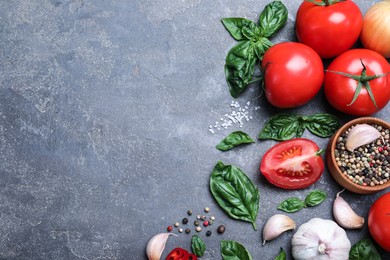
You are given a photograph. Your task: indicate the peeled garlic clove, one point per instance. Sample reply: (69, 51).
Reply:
(344, 214)
(361, 134)
(156, 245)
(276, 225)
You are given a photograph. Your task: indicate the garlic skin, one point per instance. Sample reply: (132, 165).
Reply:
(361, 134)
(276, 225)
(320, 239)
(156, 245)
(344, 214)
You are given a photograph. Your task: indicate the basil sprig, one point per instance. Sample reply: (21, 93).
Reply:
(294, 204)
(283, 127)
(282, 255)
(234, 139)
(253, 42)
(364, 249)
(198, 246)
(235, 193)
(232, 250)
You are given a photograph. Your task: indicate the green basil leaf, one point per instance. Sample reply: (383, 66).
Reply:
(314, 198)
(235, 193)
(239, 67)
(198, 246)
(282, 255)
(323, 125)
(261, 46)
(364, 250)
(282, 127)
(272, 18)
(237, 27)
(291, 205)
(232, 250)
(234, 139)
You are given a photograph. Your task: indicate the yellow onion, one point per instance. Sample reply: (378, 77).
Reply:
(375, 33)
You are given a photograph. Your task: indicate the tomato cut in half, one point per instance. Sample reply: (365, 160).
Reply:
(178, 254)
(293, 164)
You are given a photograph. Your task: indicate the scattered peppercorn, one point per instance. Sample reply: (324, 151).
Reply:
(203, 217)
(206, 209)
(198, 229)
(208, 233)
(176, 224)
(212, 218)
(206, 223)
(211, 222)
(189, 213)
(180, 230)
(198, 216)
(221, 229)
(188, 230)
(169, 228)
(196, 223)
(184, 221)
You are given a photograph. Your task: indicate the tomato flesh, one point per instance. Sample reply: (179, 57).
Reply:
(379, 221)
(180, 254)
(329, 30)
(292, 164)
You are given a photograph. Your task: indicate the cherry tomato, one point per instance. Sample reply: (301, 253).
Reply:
(329, 29)
(379, 221)
(340, 89)
(293, 74)
(292, 164)
(178, 254)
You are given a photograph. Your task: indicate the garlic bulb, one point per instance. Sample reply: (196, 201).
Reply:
(156, 245)
(320, 239)
(344, 214)
(361, 134)
(276, 225)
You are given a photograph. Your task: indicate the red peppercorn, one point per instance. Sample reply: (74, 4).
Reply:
(169, 228)
(385, 148)
(205, 223)
(380, 149)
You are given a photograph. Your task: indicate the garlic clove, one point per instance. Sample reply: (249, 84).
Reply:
(156, 245)
(344, 214)
(276, 225)
(361, 134)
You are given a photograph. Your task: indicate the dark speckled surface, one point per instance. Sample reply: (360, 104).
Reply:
(104, 114)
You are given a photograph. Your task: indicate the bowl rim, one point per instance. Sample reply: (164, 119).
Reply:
(342, 129)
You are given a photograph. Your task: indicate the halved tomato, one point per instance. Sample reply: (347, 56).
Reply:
(293, 164)
(180, 254)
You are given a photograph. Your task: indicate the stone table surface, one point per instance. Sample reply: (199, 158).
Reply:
(105, 108)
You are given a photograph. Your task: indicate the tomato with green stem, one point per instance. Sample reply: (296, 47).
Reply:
(330, 27)
(358, 82)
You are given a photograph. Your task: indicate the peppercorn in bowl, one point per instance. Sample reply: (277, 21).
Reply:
(358, 155)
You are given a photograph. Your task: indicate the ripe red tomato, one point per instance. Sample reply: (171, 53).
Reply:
(292, 164)
(293, 74)
(379, 221)
(329, 29)
(180, 254)
(340, 89)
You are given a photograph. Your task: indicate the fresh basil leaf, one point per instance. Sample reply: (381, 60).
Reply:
(198, 246)
(239, 67)
(314, 198)
(261, 46)
(236, 26)
(364, 250)
(282, 127)
(323, 125)
(235, 193)
(234, 139)
(291, 205)
(282, 255)
(232, 250)
(272, 18)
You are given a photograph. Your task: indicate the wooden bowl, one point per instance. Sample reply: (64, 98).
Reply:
(333, 167)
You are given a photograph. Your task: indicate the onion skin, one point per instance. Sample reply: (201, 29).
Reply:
(375, 33)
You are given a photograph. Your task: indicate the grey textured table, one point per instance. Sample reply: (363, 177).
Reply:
(104, 114)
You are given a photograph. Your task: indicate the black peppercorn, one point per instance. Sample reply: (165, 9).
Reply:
(208, 233)
(188, 231)
(189, 212)
(196, 223)
(221, 229)
(184, 221)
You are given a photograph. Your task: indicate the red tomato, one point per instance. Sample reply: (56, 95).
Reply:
(379, 221)
(340, 90)
(293, 164)
(293, 74)
(329, 29)
(178, 254)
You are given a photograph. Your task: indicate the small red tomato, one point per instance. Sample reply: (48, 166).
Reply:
(292, 164)
(351, 85)
(180, 254)
(379, 221)
(329, 28)
(293, 74)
